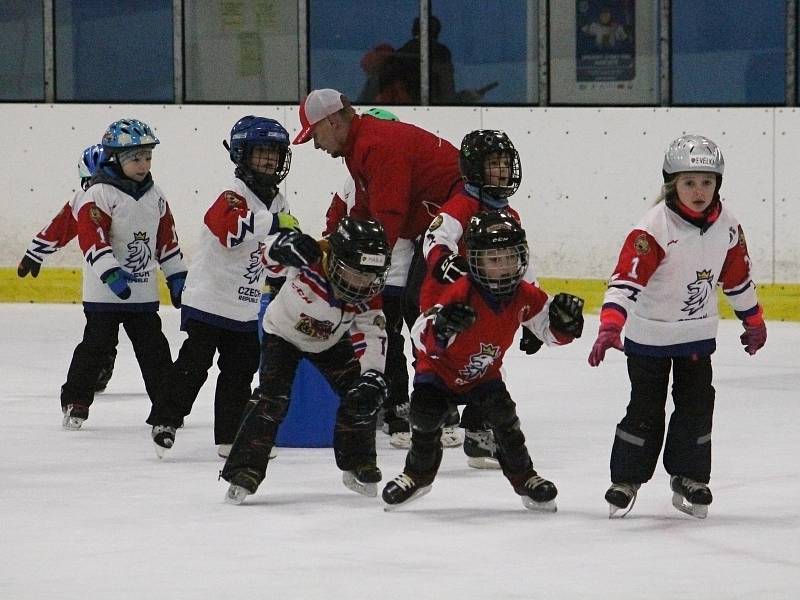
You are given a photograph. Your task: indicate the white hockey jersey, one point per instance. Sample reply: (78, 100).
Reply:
(116, 230)
(664, 285)
(224, 285)
(306, 313)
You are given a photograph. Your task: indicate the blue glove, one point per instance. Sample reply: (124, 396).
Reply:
(175, 283)
(117, 280)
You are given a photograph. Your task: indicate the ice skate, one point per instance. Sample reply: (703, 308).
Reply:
(403, 490)
(363, 480)
(452, 437)
(481, 449)
(400, 440)
(242, 484)
(538, 494)
(163, 439)
(619, 497)
(690, 496)
(74, 416)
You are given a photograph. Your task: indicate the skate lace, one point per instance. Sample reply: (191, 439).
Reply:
(534, 482)
(404, 481)
(693, 486)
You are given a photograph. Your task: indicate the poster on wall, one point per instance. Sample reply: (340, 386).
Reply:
(604, 52)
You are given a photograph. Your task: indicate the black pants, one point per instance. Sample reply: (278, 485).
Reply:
(100, 337)
(639, 435)
(353, 439)
(238, 362)
(429, 409)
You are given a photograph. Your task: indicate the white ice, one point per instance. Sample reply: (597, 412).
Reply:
(94, 514)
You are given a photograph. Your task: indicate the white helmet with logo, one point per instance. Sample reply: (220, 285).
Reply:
(693, 153)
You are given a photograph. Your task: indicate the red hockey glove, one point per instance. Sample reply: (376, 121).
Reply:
(754, 336)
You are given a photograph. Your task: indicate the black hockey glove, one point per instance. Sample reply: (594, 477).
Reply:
(566, 315)
(28, 265)
(529, 343)
(453, 318)
(175, 283)
(367, 395)
(295, 249)
(450, 268)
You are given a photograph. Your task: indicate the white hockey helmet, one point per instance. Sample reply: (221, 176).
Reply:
(693, 153)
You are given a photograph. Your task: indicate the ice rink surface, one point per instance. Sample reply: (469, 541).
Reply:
(94, 514)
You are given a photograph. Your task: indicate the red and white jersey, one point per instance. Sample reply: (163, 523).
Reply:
(664, 285)
(224, 284)
(476, 354)
(306, 313)
(116, 230)
(403, 250)
(61, 230)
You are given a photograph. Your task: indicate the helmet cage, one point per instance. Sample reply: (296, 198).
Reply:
(358, 260)
(495, 239)
(250, 132)
(476, 147)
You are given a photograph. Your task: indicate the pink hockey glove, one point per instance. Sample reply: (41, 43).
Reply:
(607, 337)
(754, 336)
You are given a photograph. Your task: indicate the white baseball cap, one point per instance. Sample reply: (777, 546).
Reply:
(317, 105)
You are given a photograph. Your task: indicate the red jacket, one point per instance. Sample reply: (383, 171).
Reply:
(403, 174)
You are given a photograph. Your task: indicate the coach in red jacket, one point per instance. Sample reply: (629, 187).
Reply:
(403, 174)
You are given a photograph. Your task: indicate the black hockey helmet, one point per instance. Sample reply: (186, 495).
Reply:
(359, 259)
(497, 252)
(479, 145)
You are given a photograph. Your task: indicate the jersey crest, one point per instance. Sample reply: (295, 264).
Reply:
(314, 327)
(699, 291)
(478, 364)
(139, 252)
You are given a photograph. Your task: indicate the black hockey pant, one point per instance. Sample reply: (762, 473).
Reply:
(639, 435)
(429, 409)
(353, 439)
(238, 361)
(100, 337)
(396, 364)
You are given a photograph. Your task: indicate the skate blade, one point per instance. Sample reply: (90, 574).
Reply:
(160, 450)
(615, 512)
(698, 511)
(530, 504)
(416, 495)
(452, 437)
(483, 462)
(236, 495)
(224, 450)
(365, 489)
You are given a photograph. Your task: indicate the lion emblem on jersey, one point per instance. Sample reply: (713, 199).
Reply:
(314, 328)
(139, 253)
(255, 268)
(479, 363)
(699, 291)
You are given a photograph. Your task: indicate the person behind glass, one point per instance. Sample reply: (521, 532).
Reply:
(663, 293)
(492, 173)
(316, 315)
(222, 294)
(399, 79)
(125, 230)
(460, 345)
(61, 230)
(403, 174)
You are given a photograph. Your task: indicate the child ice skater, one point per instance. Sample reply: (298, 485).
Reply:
(460, 344)
(663, 292)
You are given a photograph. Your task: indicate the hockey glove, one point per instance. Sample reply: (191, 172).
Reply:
(450, 268)
(175, 282)
(117, 280)
(529, 343)
(607, 337)
(754, 336)
(452, 319)
(295, 249)
(28, 265)
(566, 316)
(367, 395)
